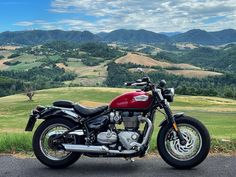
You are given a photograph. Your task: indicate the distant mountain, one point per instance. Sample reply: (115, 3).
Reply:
(41, 37)
(135, 36)
(101, 34)
(170, 34)
(225, 36)
(196, 36)
(206, 38)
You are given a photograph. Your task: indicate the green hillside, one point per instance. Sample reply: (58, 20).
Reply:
(218, 114)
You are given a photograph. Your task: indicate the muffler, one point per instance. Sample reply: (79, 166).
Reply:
(95, 149)
(85, 149)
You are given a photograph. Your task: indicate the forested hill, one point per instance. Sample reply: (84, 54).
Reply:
(135, 36)
(41, 37)
(196, 36)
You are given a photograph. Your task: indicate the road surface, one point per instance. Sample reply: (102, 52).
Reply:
(213, 166)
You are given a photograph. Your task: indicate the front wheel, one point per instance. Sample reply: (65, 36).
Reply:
(193, 152)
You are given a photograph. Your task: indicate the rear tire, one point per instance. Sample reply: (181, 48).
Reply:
(180, 156)
(40, 154)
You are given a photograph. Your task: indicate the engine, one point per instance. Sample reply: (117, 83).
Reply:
(128, 135)
(127, 138)
(130, 119)
(108, 137)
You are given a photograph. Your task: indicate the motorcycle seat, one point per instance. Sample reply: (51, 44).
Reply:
(64, 104)
(89, 112)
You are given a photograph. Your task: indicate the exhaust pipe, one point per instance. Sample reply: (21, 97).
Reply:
(85, 149)
(147, 135)
(95, 149)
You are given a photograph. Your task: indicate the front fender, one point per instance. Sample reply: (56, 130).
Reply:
(51, 112)
(176, 116)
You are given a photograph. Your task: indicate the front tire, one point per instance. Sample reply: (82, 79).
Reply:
(193, 152)
(45, 152)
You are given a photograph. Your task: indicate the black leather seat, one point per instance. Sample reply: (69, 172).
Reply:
(89, 112)
(83, 111)
(63, 103)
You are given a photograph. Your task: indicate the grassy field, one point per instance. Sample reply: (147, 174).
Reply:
(218, 114)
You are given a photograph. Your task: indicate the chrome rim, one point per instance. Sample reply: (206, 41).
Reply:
(190, 149)
(50, 153)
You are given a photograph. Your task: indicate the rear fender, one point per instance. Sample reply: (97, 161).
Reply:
(59, 112)
(176, 116)
(49, 113)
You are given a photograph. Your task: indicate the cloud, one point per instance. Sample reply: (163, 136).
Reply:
(162, 15)
(24, 23)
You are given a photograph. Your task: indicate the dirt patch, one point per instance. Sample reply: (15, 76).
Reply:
(186, 46)
(61, 65)
(2, 65)
(141, 59)
(194, 73)
(146, 70)
(9, 47)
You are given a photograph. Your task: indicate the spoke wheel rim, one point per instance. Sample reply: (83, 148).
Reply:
(47, 151)
(183, 152)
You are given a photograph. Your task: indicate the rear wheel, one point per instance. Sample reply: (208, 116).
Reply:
(47, 150)
(190, 154)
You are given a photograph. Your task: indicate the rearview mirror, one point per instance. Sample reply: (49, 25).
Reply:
(162, 83)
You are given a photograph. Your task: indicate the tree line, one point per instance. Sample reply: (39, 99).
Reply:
(12, 82)
(222, 86)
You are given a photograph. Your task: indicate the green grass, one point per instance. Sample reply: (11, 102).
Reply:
(75, 64)
(15, 142)
(27, 62)
(24, 66)
(218, 114)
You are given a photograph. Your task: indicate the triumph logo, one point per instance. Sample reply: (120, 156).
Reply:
(141, 98)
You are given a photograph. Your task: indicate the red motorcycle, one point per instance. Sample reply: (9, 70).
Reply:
(121, 129)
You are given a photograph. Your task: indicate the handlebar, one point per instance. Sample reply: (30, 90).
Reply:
(145, 81)
(135, 83)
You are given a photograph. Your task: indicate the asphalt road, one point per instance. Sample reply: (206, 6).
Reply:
(213, 166)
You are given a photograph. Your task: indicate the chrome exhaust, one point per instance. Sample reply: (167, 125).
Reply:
(95, 149)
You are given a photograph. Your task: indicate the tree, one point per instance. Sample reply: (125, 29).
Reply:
(29, 92)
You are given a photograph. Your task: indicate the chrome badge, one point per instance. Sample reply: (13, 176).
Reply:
(141, 98)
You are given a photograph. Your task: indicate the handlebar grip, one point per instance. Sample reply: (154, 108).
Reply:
(128, 83)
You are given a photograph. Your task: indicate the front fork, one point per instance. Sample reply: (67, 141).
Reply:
(171, 119)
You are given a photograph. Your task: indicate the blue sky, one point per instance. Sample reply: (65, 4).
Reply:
(107, 15)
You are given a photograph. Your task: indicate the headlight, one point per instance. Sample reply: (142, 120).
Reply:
(168, 94)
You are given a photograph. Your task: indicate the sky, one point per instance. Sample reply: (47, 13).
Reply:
(107, 15)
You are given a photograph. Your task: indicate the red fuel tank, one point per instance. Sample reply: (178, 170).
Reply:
(133, 100)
